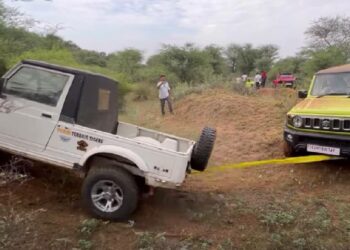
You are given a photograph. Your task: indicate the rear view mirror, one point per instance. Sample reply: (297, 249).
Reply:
(302, 93)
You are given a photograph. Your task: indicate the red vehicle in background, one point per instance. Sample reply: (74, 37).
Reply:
(285, 79)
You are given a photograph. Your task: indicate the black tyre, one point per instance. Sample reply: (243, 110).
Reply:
(109, 192)
(202, 149)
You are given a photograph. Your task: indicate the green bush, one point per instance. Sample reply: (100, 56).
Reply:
(322, 59)
(144, 91)
(183, 89)
(150, 74)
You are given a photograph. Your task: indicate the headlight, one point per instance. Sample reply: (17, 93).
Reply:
(297, 121)
(290, 119)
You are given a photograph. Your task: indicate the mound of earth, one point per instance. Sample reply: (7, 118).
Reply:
(249, 127)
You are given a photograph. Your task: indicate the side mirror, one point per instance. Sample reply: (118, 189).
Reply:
(302, 93)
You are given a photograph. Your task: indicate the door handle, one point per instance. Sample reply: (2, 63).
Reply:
(46, 115)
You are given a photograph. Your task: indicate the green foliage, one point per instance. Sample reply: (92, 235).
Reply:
(85, 244)
(61, 57)
(188, 63)
(289, 64)
(88, 226)
(183, 89)
(15, 41)
(265, 57)
(245, 58)
(151, 241)
(216, 59)
(127, 61)
(154, 68)
(91, 58)
(12, 17)
(323, 59)
(241, 58)
(278, 217)
(226, 245)
(86, 229)
(144, 91)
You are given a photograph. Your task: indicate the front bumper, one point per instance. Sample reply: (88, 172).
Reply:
(298, 140)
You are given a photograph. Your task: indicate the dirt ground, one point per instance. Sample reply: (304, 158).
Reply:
(302, 206)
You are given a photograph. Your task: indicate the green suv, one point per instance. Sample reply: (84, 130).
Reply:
(321, 122)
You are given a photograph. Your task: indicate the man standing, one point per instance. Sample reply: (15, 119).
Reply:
(257, 80)
(263, 78)
(164, 94)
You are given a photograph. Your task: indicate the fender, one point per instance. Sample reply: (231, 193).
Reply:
(115, 150)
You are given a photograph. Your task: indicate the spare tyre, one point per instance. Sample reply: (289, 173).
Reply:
(202, 149)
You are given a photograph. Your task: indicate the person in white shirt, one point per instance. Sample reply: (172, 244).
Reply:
(164, 94)
(257, 80)
(244, 77)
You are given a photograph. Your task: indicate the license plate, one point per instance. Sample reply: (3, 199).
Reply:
(323, 149)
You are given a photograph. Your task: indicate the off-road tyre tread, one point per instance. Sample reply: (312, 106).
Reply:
(202, 149)
(124, 179)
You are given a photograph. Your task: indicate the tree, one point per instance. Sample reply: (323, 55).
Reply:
(292, 65)
(265, 56)
(12, 17)
(188, 63)
(127, 61)
(328, 32)
(90, 57)
(232, 55)
(216, 59)
(322, 59)
(241, 58)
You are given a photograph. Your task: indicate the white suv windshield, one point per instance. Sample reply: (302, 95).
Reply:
(331, 84)
(36, 85)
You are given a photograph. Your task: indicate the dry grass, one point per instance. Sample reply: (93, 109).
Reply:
(244, 123)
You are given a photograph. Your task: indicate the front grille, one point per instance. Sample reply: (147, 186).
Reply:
(335, 124)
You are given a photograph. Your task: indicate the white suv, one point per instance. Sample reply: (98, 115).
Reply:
(69, 118)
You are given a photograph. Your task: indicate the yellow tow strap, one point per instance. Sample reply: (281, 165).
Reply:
(289, 160)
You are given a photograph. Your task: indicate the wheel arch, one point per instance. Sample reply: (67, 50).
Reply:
(116, 153)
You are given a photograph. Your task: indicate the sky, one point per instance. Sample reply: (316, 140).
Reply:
(112, 25)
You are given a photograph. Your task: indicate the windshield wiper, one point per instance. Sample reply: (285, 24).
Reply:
(319, 96)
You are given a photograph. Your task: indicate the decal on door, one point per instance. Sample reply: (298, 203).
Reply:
(8, 106)
(87, 137)
(65, 134)
(82, 145)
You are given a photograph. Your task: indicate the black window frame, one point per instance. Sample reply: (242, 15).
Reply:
(53, 105)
